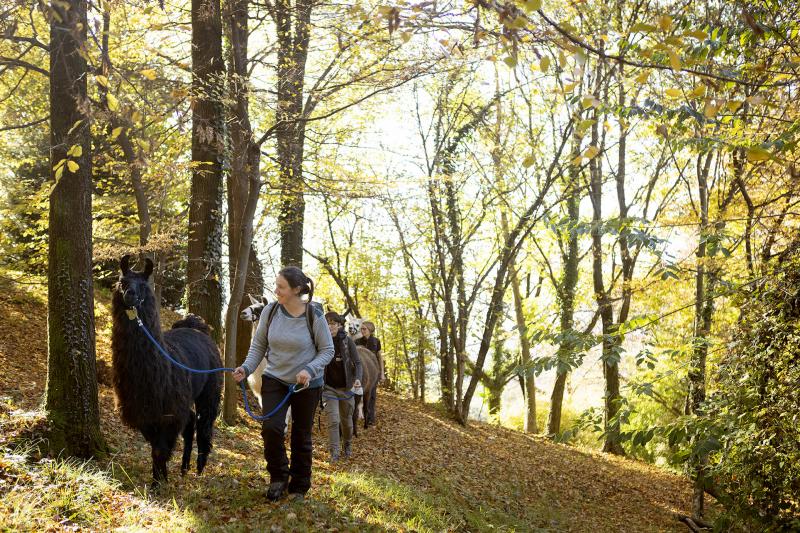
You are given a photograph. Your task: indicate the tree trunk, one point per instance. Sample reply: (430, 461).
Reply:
(704, 308)
(610, 355)
(566, 298)
(529, 382)
(406, 357)
(420, 315)
(72, 402)
(132, 158)
(244, 186)
(208, 148)
(421, 367)
(493, 397)
(293, 41)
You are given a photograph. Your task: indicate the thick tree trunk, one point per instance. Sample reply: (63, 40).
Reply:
(208, 147)
(293, 41)
(71, 402)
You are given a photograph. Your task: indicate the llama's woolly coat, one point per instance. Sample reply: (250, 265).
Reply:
(149, 388)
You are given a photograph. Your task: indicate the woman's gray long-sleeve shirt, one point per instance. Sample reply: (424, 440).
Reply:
(291, 348)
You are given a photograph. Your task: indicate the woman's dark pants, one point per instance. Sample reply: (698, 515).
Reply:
(304, 405)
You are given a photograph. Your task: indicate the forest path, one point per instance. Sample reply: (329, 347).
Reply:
(415, 470)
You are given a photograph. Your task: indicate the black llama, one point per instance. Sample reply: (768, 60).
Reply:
(155, 396)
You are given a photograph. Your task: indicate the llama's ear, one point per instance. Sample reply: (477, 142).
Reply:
(148, 268)
(346, 312)
(264, 300)
(253, 301)
(124, 265)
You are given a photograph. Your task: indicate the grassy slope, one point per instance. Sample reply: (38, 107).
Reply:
(416, 471)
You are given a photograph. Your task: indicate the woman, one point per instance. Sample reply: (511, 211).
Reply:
(342, 375)
(369, 341)
(293, 358)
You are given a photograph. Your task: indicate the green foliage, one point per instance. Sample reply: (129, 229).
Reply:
(23, 203)
(751, 427)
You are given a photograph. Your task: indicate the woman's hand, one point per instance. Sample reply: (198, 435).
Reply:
(239, 374)
(303, 377)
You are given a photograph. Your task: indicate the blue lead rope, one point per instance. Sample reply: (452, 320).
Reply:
(292, 388)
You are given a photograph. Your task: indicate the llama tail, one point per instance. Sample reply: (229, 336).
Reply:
(194, 322)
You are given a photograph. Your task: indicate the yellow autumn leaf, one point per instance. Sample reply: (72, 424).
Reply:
(531, 5)
(698, 92)
(757, 154)
(665, 22)
(73, 166)
(528, 161)
(544, 64)
(642, 27)
(584, 125)
(674, 93)
(76, 150)
(577, 161)
(115, 133)
(697, 34)
(674, 59)
(569, 86)
(733, 105)
(591, 151)
(148, 73)
(643, 77)
(102, 80)
(113, 103)
(710, 109)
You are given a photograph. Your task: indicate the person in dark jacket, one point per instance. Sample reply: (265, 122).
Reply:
(342, 375)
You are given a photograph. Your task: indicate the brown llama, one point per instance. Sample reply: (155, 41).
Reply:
(369, 382)
(155, 396)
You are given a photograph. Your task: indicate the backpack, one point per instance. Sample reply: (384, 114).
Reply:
(309, 321)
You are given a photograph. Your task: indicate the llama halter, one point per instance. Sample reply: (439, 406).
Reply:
(293, 389)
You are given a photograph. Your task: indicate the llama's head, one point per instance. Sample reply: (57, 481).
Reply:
(133, 286)
(354, 326)
(252, 312)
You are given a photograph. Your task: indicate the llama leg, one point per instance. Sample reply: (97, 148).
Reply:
(369, 415)
(162, 445)
(356, 412)
(207, 405)
(160, 455)
(205, 434)
(188, 439)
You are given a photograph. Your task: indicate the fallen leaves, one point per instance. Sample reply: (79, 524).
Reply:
(415, 471)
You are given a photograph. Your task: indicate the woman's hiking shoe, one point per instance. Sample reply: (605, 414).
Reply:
(348, 450)
(276, 490)
(297, 497)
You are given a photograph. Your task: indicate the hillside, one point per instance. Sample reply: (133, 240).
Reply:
(415, 471)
